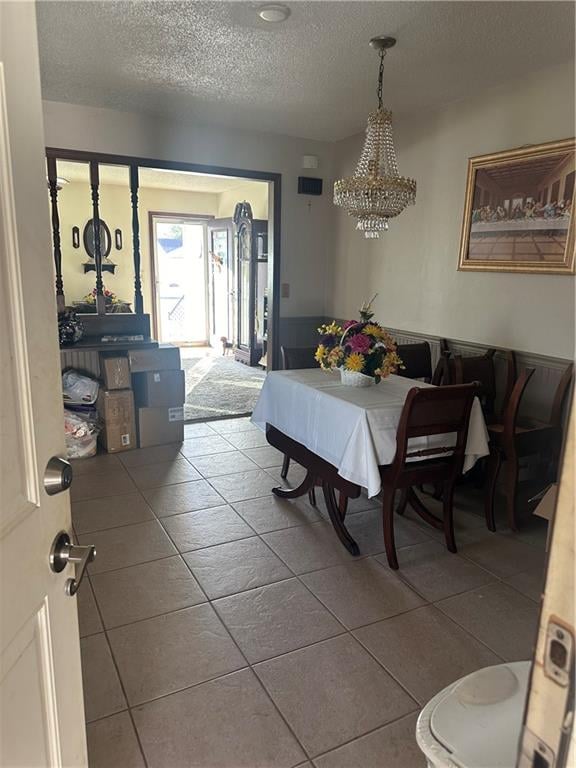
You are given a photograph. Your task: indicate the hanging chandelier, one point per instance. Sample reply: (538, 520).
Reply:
(376, 192)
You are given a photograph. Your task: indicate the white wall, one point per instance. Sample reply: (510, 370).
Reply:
(414, 265)
(304, 229)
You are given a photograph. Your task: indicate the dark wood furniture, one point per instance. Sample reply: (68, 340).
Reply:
(294, 358)
(251, 284)
(427, 412)
(417, 361)
(512, 440)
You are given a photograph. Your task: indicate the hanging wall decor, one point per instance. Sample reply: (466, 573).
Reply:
(75, 237)
(518, 211)
(118, 239)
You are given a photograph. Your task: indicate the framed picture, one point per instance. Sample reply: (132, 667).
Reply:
(518, 211)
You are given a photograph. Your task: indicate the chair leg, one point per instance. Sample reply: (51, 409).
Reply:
(492, 471)
(511, 490)
(311, 495)
(448, 515)
(285, 466)
(401, 508)
(388, 523)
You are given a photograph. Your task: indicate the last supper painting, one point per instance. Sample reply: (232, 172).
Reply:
(518, 211)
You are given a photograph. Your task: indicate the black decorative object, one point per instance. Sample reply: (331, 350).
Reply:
(75, 237)
(89, 239)
(309, 186)
(57, 251)
(118, 239)
(70, 329)
(134, 184)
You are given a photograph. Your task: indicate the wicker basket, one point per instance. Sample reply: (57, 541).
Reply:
(356, 379)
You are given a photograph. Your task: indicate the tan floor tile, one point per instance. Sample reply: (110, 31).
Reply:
(232, 426)
(275, 619)
(95, 465)
(393, 746)
(243, 485)
(154, 455)
(163, 473)
(296, 475)
(145, 590)
(237, 566)
(424, 650)
(222, 463)
(102, 692)
(88, 617)
(229, 723)
(269, 513)
(113, 483)
(367, 530)
(131, 544)
(502, 554)
(112, 743)
(198, 429)
(205, 446)
(435, 573)
(206, 528)
(267, 456)
(530, 583)
(242, 440)
(113, 512)
(171, 652)
(499, 616)
(361, 592)
(185, 497)
(332, 692)
(308, 547)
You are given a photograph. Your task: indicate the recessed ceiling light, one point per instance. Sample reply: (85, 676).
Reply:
(274, 12)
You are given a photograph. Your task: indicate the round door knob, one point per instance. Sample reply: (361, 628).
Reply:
(58, 476)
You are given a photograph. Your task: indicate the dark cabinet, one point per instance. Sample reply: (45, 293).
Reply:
(251, 290)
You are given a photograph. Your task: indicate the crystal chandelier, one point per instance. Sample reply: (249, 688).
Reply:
(376, 192)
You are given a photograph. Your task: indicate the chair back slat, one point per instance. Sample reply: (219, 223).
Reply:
(480, 369)
(417, 360)
(436, 411)
(298, 358)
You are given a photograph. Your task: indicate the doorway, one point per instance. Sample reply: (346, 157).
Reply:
(180, 278)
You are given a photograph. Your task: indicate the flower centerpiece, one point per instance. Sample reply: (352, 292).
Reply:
(363, 350)
(112, 302)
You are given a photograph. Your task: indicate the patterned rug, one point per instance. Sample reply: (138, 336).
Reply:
(217, 387)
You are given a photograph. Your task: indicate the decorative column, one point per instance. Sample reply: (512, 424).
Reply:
(56, 244)
(134, 183)
(94, 185)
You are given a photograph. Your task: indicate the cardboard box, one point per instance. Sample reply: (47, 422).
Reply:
(115, 372)
(159, 426)
(163, 358)
(159, 389)
(116, 409)
(547, 506)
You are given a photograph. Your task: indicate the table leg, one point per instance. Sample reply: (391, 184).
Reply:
(337, 520)
(294, 493)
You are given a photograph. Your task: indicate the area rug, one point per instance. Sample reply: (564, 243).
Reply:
(217, 387)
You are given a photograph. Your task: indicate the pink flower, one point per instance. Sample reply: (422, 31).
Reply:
(349, 324)
(359, 343)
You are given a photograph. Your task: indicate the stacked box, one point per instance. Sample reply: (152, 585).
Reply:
(116, 405)
(159, 393)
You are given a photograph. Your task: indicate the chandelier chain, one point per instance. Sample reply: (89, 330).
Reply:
(381, 77)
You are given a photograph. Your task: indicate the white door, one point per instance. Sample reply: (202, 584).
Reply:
(42, 713)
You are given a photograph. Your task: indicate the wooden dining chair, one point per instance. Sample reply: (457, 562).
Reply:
(297, 358)
(416, 361)
(427, 413)
(511, 440)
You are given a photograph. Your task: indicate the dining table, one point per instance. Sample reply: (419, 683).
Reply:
(342, 435)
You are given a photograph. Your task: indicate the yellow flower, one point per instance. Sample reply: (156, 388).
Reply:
(354, 362)
(321, 353)
(372, 330)
(333, 329)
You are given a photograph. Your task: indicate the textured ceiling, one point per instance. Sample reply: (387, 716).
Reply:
(312, 76)
(157, 179)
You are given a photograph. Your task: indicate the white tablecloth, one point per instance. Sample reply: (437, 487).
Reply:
(352, 428)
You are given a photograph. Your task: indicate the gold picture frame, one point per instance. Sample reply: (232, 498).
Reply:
(518, 213)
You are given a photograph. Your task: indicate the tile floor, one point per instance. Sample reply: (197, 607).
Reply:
(222, 627)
